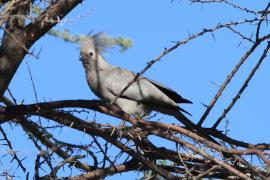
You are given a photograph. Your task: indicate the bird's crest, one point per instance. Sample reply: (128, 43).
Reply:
(99, 41)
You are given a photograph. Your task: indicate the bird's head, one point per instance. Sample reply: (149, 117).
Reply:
(94, 45)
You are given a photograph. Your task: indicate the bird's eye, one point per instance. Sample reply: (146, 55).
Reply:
(91, 53)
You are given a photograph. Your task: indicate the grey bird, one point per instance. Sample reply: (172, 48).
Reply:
(142, 97)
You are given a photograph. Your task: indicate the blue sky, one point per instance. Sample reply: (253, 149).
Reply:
(152, 26)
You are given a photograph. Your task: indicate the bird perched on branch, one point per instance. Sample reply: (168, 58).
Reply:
(141, 97)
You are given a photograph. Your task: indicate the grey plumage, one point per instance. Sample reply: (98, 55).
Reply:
(142, 97)
(106, 81)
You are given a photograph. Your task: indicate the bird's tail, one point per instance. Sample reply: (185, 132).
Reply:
(182, 110)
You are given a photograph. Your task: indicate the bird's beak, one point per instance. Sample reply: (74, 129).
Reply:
(81, 58)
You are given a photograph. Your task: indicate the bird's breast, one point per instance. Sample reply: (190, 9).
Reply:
(94, 80)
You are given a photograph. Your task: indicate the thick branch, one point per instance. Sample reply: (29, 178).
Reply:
(12, 52)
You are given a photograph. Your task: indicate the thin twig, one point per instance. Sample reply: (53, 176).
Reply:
(69, 160)
(206, 172)
(12, 150)
(243, 86)
(263, 17)
(103, 152)
(33, 83)
(182, 161)
(227, 81)
(177, 44)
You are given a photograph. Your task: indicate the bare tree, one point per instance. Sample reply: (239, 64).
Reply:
(192, 157)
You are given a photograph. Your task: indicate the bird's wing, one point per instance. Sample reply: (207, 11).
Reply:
(169, 92)
(142, 90)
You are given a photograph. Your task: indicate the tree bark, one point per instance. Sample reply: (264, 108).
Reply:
(18, 39)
